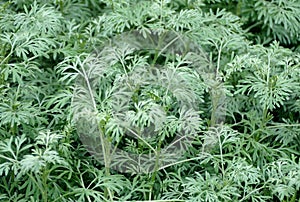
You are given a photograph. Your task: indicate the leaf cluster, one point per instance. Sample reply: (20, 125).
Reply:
(126, 100)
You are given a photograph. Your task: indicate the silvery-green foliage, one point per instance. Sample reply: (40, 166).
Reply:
(223, 74)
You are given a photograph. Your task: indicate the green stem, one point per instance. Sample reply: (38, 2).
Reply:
(266, 108)
(284, 125)
(221, 155)
(61, 6)
(43, 192)
(219, 59)
(45, 185)
(10, 53)
(139, 137)
(104, 143)
(179, 162)
(157, 54)
(112, 5)
(6, 58)
(156, 167)
(239, 8)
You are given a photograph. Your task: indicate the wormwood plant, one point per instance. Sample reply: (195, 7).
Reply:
(98, 96)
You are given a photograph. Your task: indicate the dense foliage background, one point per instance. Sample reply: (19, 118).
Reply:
(247, 63)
